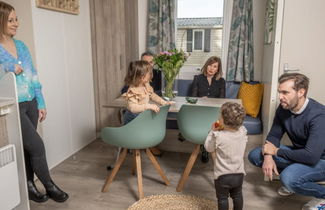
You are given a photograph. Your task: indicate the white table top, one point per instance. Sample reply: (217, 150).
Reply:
(179, 101)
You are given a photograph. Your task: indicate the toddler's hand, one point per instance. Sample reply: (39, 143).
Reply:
(18, 69)
(213, 127)
(154, 108)
(217, 126)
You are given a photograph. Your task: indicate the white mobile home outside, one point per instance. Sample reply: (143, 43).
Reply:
(201, 37)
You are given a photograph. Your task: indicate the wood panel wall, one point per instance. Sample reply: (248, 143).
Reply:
(114, 26)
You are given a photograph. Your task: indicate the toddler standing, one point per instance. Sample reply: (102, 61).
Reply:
(228, 141)
(140, 92)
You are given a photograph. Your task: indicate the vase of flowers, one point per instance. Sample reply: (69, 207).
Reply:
(170, 62)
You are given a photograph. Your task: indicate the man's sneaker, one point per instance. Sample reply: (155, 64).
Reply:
(283, 191)
(315, 204)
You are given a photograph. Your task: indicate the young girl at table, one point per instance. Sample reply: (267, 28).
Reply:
(140, 92)
(227, 139)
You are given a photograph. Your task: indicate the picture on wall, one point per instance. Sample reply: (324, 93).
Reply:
(269, 21)
(67, 6)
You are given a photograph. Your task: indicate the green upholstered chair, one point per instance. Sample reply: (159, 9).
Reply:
(194, 123)
(147, 130)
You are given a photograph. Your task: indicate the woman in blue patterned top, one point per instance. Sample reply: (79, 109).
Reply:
(15, 57)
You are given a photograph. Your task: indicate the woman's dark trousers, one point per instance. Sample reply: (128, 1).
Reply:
(34, 150)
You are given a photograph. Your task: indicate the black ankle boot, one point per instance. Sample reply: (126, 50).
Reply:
(55, 193)
(34, 194)
(204, 155)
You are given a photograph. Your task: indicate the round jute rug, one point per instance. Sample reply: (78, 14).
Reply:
(174, 202)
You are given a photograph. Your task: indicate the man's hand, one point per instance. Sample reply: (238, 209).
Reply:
(42, 114)
(269, 149)
(269, 167)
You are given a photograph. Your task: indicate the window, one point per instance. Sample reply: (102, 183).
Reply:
(199, 32)
(198, 39)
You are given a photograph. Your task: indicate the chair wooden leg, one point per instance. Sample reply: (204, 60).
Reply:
(157, 166)
(134, 164)
(188, 169)
(139, 173)
(117, 166)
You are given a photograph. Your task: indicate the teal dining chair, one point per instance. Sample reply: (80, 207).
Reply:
(194, 123)
(147, 130)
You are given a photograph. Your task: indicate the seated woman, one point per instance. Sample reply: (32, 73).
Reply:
(210, 83)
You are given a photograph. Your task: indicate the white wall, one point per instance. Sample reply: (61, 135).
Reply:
(142, 21)
(64, 62)
(258, 15)
(62, 50)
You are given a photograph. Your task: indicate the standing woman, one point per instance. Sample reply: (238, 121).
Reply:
(210, 83)
(15, 57)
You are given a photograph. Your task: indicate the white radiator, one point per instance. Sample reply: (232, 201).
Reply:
(9, 187)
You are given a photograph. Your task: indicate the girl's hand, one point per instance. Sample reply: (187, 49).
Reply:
(18, 69)
(170, 102)
(154, 107)
(42, 114)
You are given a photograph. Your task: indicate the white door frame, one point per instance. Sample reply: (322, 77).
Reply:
(271, 84)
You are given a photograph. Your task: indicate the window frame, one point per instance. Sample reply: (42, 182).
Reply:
(193, 40)
(227, 13)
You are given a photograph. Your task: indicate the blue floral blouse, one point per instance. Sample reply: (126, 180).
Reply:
(28, 86)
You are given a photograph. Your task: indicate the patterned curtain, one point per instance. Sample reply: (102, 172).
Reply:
(241, 48)
(161, 25)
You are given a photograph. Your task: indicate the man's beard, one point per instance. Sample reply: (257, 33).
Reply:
(292, 104)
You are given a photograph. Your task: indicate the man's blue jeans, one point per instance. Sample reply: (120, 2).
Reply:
(296, 177)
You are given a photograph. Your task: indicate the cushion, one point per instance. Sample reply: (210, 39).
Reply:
(251, 96)
(232, 89)
(253, 125)
(184, 87)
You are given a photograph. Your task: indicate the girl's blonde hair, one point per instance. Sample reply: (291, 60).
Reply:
(136, 71)
(233, 114)
(210, 61)
(5, 10)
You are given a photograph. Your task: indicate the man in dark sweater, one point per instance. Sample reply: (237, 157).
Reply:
(301, 165)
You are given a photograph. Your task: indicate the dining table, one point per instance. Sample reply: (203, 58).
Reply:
(120, 102)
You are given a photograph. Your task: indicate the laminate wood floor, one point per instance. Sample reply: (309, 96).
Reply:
(83, 174)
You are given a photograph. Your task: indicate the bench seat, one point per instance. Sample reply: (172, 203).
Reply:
(253, 125)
